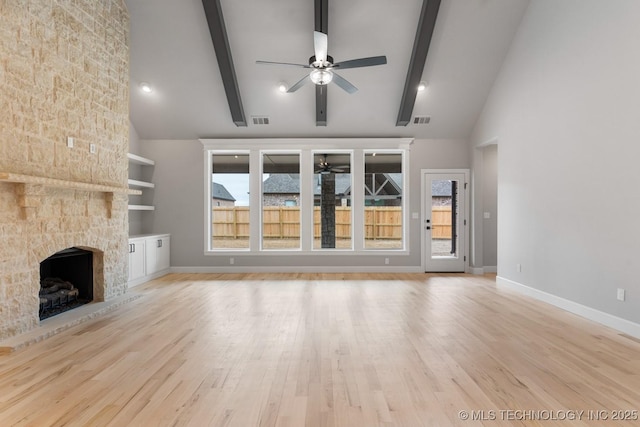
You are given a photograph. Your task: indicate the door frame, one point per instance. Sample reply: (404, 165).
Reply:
(423, 214)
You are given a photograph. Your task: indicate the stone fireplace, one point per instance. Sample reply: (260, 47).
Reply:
(64, 219)
(64, 74)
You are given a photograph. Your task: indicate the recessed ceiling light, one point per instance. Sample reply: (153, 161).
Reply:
(422, 86)
(282, 87)
(145, 87)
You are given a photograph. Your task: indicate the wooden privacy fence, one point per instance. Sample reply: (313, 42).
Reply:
(441, 222)
(283, 222)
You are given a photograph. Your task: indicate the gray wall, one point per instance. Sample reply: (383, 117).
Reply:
(490, 206)
(179, 201)
(565, 110)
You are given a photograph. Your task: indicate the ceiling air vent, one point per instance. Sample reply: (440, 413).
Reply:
(260, 120)
(421, 120)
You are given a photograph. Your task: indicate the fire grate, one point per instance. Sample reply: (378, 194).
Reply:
(57, 296)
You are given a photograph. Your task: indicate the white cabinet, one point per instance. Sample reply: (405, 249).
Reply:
(164, 253)
(149, 257)
(137, 259)
(157, 253)
(148, 253)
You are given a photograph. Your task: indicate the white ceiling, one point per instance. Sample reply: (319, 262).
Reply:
(171, 49)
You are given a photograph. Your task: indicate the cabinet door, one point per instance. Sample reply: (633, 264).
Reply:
(136, 259)
(164, 253)
(152, 254)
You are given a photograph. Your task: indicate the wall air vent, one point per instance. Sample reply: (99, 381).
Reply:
(258, 120)
(421, 120)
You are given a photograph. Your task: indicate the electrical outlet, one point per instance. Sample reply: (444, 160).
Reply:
(70, 141)
(519, 268)
(386, 261)
(232, 261)
(487, 215)
(620, 294)
(92, 148)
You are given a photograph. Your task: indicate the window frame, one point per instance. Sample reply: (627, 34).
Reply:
(351, 154)
(209, 199)
(306, 147)
(301, 204)
(403, 205)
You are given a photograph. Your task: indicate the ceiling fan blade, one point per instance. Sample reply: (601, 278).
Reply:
(344, 84)
(299, 84)
(361, 62)
(320, 46)
(282, 63)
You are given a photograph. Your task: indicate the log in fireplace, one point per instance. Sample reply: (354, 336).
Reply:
(66, 281)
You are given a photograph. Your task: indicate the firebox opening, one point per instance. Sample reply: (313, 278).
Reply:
(66, 281)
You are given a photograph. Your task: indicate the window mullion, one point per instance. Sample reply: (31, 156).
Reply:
(357, 200)
(255, 200)
(306, 200)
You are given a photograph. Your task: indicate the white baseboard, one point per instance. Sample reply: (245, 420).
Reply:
(606, 319)
(301, 269)
(482, 270)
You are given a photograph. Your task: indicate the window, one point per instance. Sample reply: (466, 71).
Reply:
(280, 195)
(230, 201)
(332, 214)
(383, 217)
(298, 197)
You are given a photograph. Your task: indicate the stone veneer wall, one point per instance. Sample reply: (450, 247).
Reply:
(64, 71)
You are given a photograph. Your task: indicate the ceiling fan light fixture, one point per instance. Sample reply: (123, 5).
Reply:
(282, 87)
(321, 76)
(422, 86)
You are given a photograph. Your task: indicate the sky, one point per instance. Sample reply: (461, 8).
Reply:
(237, 184)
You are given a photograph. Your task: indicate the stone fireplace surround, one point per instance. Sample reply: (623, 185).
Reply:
(64, 73)
(64, 219)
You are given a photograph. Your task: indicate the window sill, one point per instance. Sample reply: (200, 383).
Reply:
(289, 252)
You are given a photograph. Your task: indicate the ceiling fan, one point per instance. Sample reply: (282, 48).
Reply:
(325, 167)
(323, 68)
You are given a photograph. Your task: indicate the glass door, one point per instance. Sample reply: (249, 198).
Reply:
(444, 222)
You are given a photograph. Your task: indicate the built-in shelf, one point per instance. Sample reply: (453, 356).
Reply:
(145, 184)
(143, 161)
(139, 160)
(141, 208)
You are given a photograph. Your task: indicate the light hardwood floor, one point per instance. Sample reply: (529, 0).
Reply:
(324, 350)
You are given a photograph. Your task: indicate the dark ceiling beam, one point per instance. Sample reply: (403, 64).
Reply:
(426, 24)
(321, 23)
(218, 31)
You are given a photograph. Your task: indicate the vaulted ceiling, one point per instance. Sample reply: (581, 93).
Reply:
(172, 50)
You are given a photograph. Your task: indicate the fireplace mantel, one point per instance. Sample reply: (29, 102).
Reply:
(29, 197)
